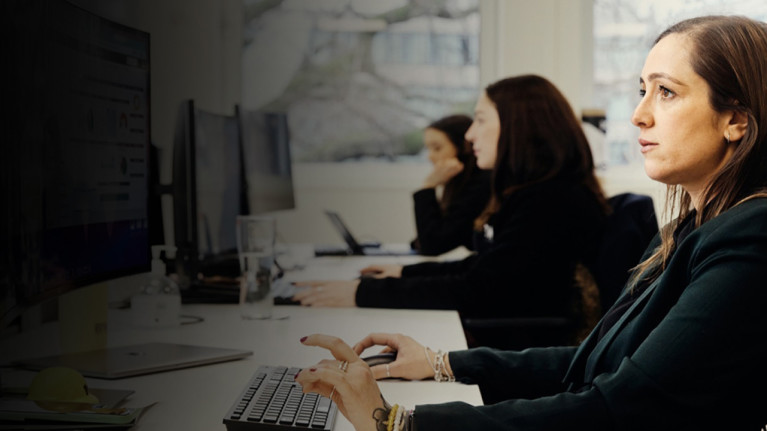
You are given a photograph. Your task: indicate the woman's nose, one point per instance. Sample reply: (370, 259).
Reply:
(642, 116)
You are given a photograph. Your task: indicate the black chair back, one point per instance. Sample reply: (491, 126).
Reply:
(628, 231)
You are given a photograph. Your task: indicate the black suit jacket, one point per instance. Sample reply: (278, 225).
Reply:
(539, 235)
(690, 353)
(441, 231)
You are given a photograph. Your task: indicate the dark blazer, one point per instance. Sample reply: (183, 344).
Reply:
(441, 231)
(690, 352)
(539, 235)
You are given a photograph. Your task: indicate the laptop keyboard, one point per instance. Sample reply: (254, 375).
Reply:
(272, 401)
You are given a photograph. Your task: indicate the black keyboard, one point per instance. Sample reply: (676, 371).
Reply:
(272, 401)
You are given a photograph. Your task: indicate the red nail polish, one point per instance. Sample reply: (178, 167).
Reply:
(312, 369)
(303, 339)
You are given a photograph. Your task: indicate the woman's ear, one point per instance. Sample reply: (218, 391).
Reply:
(737, 127)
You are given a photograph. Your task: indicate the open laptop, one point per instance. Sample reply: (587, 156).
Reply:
(135, 360)
(354, 247)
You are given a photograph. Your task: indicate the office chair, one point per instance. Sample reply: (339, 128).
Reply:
(628, 230)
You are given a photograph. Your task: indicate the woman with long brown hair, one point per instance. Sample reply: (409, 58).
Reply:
(544, 218)
(683, 348)
(453, 194)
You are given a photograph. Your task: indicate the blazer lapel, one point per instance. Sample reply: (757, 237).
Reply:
(591, 349)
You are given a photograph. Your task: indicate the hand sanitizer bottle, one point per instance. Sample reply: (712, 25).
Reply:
(159, 302)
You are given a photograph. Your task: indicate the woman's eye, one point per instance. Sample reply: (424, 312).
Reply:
(642, 92)
(665, 92)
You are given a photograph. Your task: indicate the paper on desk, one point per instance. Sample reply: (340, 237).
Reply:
(20, 409)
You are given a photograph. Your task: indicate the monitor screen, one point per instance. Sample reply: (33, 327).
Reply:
(266, 160)
(75, 162)
(207, 186)
(218, 182)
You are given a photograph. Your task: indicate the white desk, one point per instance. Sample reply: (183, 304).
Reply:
(198, 398)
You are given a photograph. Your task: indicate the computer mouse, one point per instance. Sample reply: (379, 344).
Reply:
(380, 359)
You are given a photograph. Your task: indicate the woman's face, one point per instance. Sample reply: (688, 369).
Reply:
(484, 132)
(682, 138)
(438, 145)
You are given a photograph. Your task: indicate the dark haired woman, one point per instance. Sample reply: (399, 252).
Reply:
(543, 220)
(683, 348)
(445, 220)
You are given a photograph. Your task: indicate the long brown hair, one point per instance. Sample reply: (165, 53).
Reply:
(455, 127)
(730, 54)
(541, 139)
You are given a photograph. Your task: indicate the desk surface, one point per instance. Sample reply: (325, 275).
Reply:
(197, 398)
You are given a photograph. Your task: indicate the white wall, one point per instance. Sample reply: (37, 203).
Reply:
(551, 38)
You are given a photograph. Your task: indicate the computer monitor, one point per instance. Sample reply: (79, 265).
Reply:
(75, 160)
(267, 160)
(207, 191)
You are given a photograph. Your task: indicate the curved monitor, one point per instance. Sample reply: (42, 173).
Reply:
(75, 164)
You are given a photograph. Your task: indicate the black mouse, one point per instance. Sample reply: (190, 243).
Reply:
(380, 359)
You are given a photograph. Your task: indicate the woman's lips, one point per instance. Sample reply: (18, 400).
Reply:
(647, 145)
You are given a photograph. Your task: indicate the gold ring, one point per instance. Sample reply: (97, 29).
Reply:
(332, 392)
(343, 366)
(388, 372)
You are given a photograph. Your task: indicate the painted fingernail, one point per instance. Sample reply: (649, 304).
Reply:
(312, 369)
(303, 339)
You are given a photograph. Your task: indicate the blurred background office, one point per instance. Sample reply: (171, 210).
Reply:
(359, 80)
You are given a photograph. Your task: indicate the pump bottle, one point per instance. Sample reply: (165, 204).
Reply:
(159, 302)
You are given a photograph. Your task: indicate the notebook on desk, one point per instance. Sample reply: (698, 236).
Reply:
(354, 247)
(135, 360)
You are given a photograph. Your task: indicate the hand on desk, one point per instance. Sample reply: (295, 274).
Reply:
(350, 382)
(382, 271)
(411, 362)
(327, 293)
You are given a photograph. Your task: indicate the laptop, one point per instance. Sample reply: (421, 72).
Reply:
(136, 360)
(354, 247)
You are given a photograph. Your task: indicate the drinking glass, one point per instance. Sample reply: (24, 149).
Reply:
(255, 247)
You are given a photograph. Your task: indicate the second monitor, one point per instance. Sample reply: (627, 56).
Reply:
(224, 165)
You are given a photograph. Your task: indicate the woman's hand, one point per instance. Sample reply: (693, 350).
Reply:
(411, 363)
(327, 293)
(353, 389)
(382, 271)
(443, 171)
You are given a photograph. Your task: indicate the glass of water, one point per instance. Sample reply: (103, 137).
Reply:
(256, 237)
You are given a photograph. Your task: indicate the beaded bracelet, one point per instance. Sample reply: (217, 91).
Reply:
(440, 366)
(398, 419)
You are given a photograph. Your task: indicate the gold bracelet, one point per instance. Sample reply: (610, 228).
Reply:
(392, 414)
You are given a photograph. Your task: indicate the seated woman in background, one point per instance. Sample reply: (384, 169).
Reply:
(544, 218)
(684, 347)
(447, 222)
